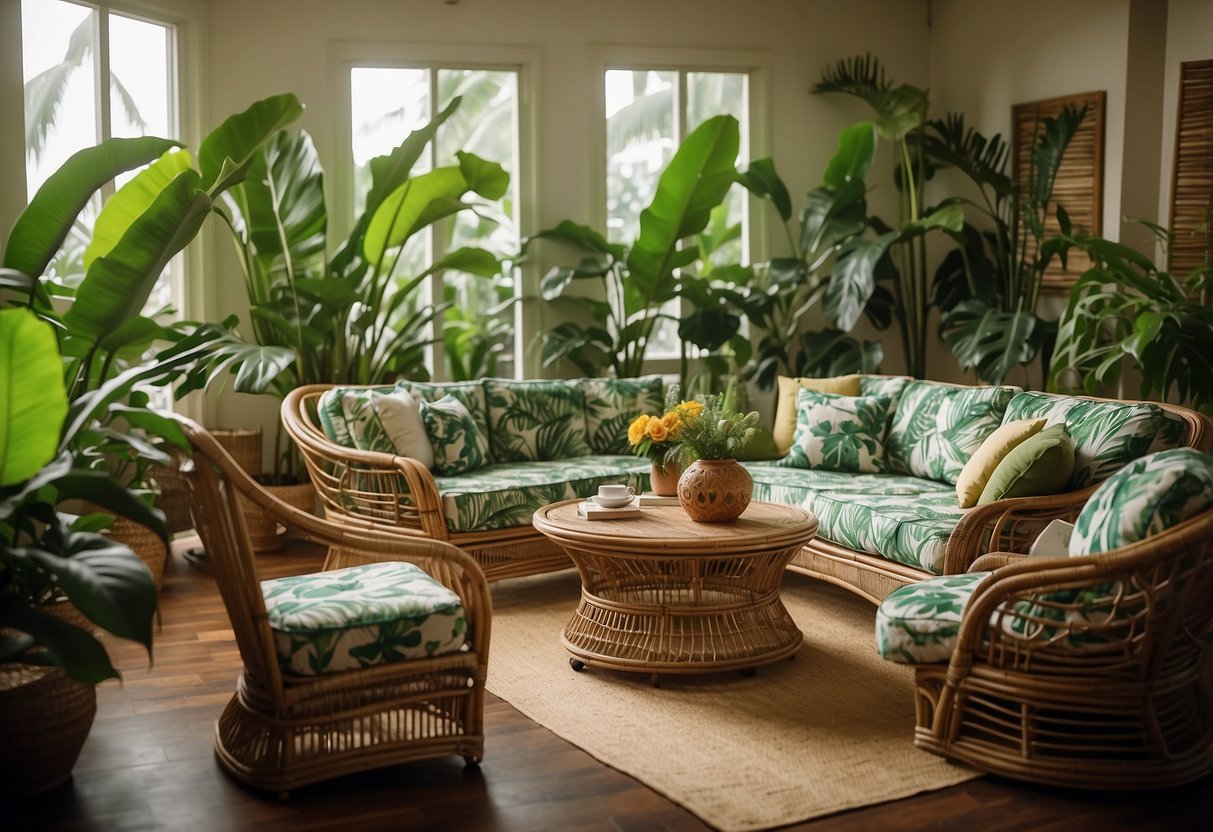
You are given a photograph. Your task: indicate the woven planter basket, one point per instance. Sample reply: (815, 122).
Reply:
(144, 542)
(174, 497)
(45, 717)
(263, 530)
(244, 446)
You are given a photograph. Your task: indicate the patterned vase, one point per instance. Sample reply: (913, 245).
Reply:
(664, 482)
(715, 490)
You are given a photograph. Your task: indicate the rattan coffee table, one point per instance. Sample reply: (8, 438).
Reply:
(664, 594)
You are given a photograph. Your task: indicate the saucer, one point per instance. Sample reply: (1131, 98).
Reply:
(612, 502)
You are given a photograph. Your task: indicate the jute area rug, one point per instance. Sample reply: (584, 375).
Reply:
(828, 731)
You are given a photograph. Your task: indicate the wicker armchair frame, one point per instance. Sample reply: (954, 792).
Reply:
(282, 731)
(1112, 697)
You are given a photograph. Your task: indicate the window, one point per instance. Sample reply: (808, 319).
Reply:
(648, 113)
(66, 47)
(477, 331)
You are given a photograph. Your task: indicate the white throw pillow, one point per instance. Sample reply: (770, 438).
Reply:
(400, 416)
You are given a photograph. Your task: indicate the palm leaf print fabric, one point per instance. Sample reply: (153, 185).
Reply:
(920, 623)
(1147, 496)
(841, 433)
(1107, 435)
(361, 616)
(348, 417)
(506, 495)
(610, 406)
(536, 420)
(937, 428)
(470, 394)
(459, 445)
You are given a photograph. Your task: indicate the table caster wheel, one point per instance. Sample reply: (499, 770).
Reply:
(656, 680)
(749, 671)
(577, 664)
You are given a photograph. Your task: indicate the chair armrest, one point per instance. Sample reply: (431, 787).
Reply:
(996, 560)
(1007, 526)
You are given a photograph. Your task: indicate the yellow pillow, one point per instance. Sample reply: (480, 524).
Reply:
(978, 470)
(785, 406)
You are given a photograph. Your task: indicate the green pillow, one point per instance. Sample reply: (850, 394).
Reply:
(1040, 465)
(459, 446)
(839, 433)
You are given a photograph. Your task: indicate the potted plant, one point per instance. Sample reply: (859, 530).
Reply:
(656, 438)
(715, 487)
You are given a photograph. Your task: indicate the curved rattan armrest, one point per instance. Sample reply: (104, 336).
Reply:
(332, 465)
(351, 545)
(993, 526)
(996, 560)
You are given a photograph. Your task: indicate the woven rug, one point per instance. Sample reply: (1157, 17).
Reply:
(828, 731)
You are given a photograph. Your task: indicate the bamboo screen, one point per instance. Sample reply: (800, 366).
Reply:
(1079, 184)
(1192, 176)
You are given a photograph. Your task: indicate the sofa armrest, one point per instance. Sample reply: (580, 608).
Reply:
(996, 560)
(379, 488)
(1007, 526)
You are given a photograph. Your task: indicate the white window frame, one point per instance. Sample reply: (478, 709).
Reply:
(345, 55)
(756, 64)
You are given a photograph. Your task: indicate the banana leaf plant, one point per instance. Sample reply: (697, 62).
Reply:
(1125, 310)
(635, 281)
(355, 317)
(899, 251)
(832, 265)
(74, 362)
(988, 288)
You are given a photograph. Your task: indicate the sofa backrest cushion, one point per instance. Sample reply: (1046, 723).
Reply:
(977, 471)
(347, 416)
(1038, 466)
(1107, 435)
(938, 427)
(783, 429)
(536, 420)
(891, 386)
(468, 393)
(611, 404)
(839, 433)
(458, 443)
(400, 415)
(1147, 496)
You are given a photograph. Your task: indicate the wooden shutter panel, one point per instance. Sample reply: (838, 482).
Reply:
(1192, 175)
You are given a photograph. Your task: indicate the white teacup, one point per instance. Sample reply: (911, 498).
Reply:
(614, 496)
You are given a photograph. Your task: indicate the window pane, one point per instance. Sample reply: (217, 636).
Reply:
(485, 124)
(711, 94)
(386, 104)
(641, 130)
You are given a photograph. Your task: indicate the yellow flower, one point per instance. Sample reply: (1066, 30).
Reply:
(691, 408)
(657, 430)
(672, 422)
(636, 429)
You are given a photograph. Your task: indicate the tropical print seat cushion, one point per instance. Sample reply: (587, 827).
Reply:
(458, 443)
(919, 623)
(902, 518)
(1107, 435)
(938, 427)
(506, 495)
(361, 616)
(536, 420)
(610, 406)
(842, 433)
(1147, 496)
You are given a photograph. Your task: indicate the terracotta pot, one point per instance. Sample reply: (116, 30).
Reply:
(715, 490)
(45, 717)
(664, 483)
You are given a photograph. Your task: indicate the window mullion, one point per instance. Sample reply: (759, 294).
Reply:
(105, 123)
(436, 246)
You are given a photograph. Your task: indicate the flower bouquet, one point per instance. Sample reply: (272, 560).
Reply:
(714, 487)
(657, 438)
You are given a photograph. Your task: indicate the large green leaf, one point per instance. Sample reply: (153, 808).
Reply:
(117, 285)
(415, 204)
(100, 488)
(486, 178)
(33, 401)
(45, 222)
(226, 153)
(578, 235)
(853, 156)
(695, 182)
(989, 340)
(132, 199)
(78, 652)
(854, 279)
(762, 181)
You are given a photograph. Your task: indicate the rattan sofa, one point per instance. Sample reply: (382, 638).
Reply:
(383, 489)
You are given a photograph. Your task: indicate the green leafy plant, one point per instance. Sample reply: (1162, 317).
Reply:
(357, 317)
(715, 431)
(1125, 310)
(988, 288)
(900, 251)
(635, 281)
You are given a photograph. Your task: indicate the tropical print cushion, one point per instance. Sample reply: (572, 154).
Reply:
(890, 386)
(842, 433)
(937, 427)
(783, 428)
(348, 417)
(470, 394)
(459, 446)
(1147, 496)
(361, 616)
(610, 406)
(506, 495)
(536, 420)
(919, 623)
(1107, 435)
(902, 518)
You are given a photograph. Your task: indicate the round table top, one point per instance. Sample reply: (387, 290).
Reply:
(763, 525)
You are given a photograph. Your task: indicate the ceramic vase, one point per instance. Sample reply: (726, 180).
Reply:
(664, 482)
(715, 490)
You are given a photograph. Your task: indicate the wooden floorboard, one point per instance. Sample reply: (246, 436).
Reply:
(148, 765)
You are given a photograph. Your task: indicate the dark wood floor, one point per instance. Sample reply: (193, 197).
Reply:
(148, 765)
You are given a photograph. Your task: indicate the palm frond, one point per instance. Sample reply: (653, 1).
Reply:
(860, 75)
(129, 107)
(983, 160)
(646, 118)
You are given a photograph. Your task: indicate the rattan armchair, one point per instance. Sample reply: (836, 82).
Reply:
(281, 731)
(376, 490)
(1113, 698)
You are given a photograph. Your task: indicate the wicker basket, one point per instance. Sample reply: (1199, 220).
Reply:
(144, 543)
(263, 530)
(174, 497)
(243, 445)
(45, 717)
